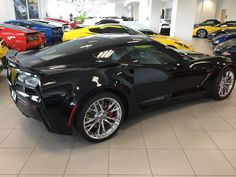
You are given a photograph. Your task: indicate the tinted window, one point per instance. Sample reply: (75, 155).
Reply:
(150, 54)
(97, 30)
(209, 23)
(114, 30)
(230, 24)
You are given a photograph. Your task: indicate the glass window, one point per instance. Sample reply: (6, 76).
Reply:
(150, 54)
(230, 24)
(96, 30)
(209, 23)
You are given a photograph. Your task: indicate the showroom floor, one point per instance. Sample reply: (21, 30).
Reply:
(194, 138)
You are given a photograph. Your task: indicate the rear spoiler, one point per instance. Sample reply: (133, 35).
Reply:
(12, 61)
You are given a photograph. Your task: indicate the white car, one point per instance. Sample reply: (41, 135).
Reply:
(64, 26)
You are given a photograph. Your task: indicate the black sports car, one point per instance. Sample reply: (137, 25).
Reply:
(92, 83)
(220, 33)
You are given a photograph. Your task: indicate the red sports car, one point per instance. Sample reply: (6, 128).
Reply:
(20, 38)
(71, 24)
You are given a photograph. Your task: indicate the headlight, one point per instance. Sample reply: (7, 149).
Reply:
(28, 79)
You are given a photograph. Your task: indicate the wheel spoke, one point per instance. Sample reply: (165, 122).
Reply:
(226, 84)
(102, 118)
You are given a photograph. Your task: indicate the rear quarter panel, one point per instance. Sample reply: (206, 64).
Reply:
(15, 39)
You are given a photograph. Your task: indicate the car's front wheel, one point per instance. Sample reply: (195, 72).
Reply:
(100, 116)
(224, 84)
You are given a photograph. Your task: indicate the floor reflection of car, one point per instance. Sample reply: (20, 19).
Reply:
(92, 83)
(204, 31)
(20, 8)
(118, 29)
(20, 38)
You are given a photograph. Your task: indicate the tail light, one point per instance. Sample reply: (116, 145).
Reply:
(32, 38)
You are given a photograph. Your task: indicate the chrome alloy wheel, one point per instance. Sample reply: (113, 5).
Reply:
(102, 118)
(226, 84)
(201, 33)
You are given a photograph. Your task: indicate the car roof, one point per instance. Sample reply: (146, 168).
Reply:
(113, 39)
(14, 27)
(99, 41)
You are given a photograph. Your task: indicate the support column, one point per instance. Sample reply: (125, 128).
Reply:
(155, 14)
(182, 20)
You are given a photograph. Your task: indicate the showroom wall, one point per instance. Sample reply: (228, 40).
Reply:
(230, 6)
(7, 10)
(206, 9)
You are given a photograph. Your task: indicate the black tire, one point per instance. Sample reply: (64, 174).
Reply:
(85, 106)
(202, 33)
(216, 87)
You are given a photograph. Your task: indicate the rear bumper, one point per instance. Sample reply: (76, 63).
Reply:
(38, 111)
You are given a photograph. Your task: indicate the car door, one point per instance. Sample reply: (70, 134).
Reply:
(160, 73)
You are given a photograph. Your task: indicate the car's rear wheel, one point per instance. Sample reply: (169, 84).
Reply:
(224, 84)
(202, 33)
(100, 117)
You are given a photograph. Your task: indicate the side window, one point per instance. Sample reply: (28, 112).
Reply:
(150, 54)
(208, 23)
(96, 30)
(231, 24)
(120, 55)
(114, 30)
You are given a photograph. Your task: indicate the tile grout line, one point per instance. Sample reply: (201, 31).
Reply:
(222, 117)
(149, 162)
(69, 156)
(218, 148)
(31, 153)
(109, 156)
(12, 129)
(182, 148)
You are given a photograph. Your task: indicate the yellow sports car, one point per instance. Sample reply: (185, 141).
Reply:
(3, 52)
(114, 28)
(204, 31)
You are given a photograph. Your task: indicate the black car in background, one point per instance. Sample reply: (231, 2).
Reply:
(92, 83)
(220, 33)
(209, 22)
